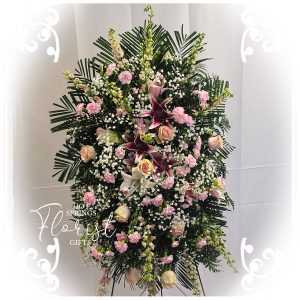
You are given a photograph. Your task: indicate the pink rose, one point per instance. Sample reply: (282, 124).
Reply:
(134, 237)
(125, 77)
(96, 253)
(93, 108)
(122, 214)
(120, 152)
(89, 197)
(166, 260)
(175, 244)
(182, 171)
(179, 115)
(158, 200)
(121, 236)
(121, 246)
(79, 110)
(168, 183)
(215, 142)
(191, 161)
(87, 153)
(165, 133)
(110, 68)
(168, 211)
(201, 244)
(108, 177)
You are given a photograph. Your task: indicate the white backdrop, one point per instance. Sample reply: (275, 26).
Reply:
(259, 169)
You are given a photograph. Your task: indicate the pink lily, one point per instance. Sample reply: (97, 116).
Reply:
(138, 145)
(159, 112)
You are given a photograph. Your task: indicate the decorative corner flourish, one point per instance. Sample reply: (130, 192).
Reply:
(44, 33)
(46, 270)
(256, 265)
(256, 31)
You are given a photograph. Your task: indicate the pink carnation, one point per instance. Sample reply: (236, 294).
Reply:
(124, 190)
(89, 197)
(109, 253)
(203, 196)
(125, 77)
(158, 200)
(146, 201)
(135, 90)
(185, 205)
(93, 108)
(196, 153)
(168, 183)
(121, 246)
(198, 143)
(140, 219)
(120, 152)
(188, 120)
(182, 171)
(179, 115)
(168, 211)
(175, 244)
(166, 260)
(79, 110)
(108, 177)
(134, 237)
(191, 161)
(110, 68)
(121, 236)
(201, 244)
(96, 253)
(107, 225)
(203, 96)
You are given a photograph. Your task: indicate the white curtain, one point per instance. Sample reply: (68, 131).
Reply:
(259, 169)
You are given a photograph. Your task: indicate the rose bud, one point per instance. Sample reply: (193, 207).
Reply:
(155, 90)
(132, 275)
(87, 153)
(215, 142)
(122, 214)
(216, 193)
(177, 228)
(168, 279)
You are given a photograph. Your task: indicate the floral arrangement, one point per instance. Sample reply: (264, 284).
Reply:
(145, 147)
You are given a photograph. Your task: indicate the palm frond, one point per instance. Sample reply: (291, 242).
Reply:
(67, 163)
